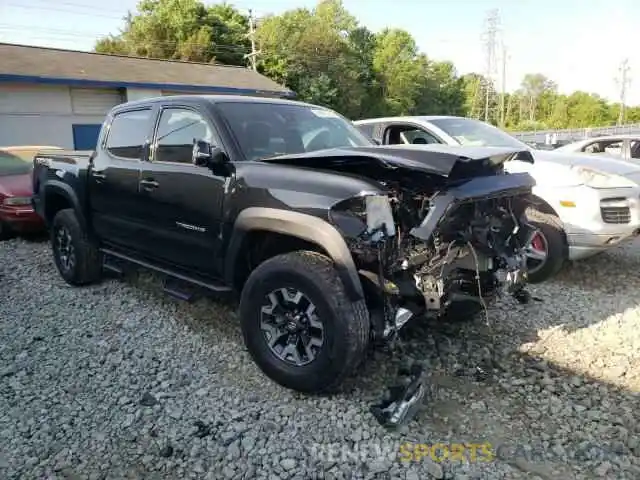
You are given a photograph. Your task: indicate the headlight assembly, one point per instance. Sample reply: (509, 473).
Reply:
(596, 179)
(368, 214)
(17, 201)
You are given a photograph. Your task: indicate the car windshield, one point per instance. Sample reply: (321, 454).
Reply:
(12, 165)
(476, 133)
(268, 129)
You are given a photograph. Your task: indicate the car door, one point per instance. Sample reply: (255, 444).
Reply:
(182, 201)
(114, 177)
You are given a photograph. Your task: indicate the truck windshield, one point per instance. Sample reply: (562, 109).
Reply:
(13, 165)
(467, 131)
(269, 129)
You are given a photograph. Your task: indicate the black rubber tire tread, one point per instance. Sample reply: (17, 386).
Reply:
(349, 325)
(557, 254)
(88, 268)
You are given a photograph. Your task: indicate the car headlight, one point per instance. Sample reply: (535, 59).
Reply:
(367, 214)
(17, 201)
(596, 179)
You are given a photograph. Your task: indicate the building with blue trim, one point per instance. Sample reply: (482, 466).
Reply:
(60, 97)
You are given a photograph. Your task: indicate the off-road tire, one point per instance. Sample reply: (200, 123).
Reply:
(88, 260)
(346, 323)
(557, 250)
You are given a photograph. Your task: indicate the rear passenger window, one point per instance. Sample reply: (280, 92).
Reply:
(127, 134)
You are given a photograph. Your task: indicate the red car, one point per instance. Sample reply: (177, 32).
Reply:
(16, 211)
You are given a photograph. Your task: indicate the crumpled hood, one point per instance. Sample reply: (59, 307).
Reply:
(432, 159)
(609, 165)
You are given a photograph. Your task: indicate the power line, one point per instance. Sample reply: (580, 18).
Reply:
(504, 86)
(624, 82)
(489, 39)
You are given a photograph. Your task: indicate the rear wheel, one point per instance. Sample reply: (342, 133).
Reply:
(298, 324)
(546, 248)
(76, 257)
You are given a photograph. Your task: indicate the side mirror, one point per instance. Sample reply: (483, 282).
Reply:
(376, 141)
(205, 155)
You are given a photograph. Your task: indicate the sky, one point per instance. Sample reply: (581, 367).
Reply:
(578, 44)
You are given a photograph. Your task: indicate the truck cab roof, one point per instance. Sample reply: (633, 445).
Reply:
(213, 99)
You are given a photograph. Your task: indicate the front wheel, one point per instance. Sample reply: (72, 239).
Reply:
(546, 248)
(77, 259)
(298, 324)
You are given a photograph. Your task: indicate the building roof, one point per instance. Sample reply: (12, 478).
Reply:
(22, 63)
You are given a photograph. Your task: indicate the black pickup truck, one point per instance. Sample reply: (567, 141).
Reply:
(331, 241)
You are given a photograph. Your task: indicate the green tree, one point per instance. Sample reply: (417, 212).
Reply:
(182, 30)
(535, 86)
(400, 69)
(328, 58)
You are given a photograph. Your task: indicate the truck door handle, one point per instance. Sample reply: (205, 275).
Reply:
(149, 184)
(98, 175)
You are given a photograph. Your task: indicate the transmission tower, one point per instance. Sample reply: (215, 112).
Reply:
(503, 86)
(623, 81)
(489, 38)
(252, 37)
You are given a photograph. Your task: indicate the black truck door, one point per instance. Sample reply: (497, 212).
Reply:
(114, 177)
(182, 202)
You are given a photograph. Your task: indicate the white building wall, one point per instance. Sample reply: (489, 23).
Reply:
(44, 114)
(142, 93)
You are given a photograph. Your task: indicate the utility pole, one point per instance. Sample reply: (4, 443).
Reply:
(624, 81)
(489, 38)
(504, 86)
(252, 36)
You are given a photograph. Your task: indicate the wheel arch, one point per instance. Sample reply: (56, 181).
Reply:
(545, 207)
(292, 231)
(59, 196)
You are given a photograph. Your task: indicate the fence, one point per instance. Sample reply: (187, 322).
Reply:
(575, 134)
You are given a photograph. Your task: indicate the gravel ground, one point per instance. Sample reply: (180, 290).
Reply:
(119, 381)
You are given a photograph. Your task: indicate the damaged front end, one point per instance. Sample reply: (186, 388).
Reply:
(431, 243)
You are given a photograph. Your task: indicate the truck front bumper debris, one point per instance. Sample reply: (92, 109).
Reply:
(404, 400)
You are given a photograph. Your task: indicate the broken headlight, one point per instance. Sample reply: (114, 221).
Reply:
(364, 215)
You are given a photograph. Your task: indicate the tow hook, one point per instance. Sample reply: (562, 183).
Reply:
(404, 400)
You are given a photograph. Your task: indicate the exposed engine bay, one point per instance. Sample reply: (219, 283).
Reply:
(431, 244)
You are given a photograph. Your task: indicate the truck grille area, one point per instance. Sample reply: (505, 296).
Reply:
(615, 214)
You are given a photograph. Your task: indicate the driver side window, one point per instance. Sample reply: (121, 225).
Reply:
(177, 130)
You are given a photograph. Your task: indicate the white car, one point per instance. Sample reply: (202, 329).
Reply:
(619, 146)
(584, 204)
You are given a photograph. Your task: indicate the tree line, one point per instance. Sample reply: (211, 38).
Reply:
(328, 58)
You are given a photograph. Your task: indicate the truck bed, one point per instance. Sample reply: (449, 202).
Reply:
(62, 170)
(78, 157)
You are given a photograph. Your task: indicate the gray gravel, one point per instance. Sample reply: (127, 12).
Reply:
(119, 381)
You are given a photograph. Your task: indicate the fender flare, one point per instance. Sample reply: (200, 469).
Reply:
(64, 190)
(300, 225)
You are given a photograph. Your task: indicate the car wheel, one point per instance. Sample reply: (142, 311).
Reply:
(298, 324)
(546, 248)
(76, 257)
